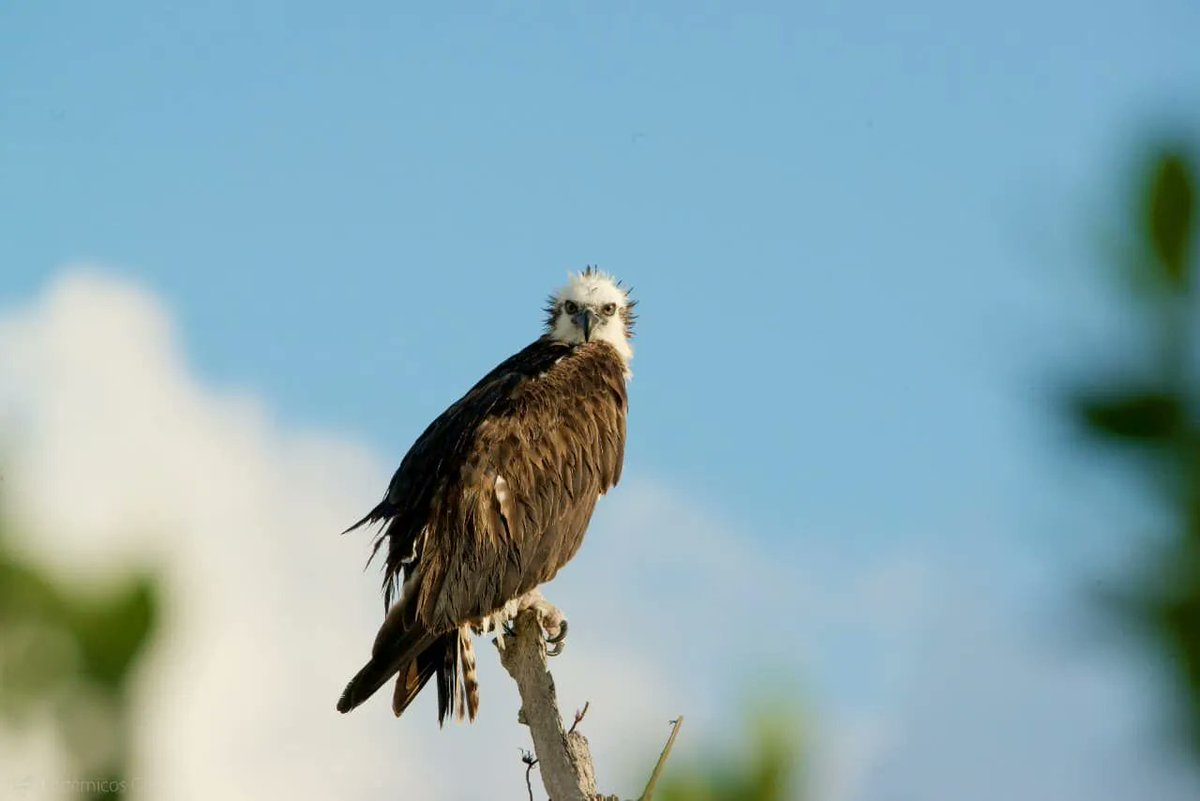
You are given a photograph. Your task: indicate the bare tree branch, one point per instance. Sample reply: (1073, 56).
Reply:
(563, 758)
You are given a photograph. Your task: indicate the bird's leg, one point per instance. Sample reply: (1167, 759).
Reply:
(500, 622)
(551, 619)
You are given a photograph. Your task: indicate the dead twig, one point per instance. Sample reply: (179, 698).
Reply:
(579, 716)
(648, 793)
(530, 760)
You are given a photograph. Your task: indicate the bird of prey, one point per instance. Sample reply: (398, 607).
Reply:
(495, 496)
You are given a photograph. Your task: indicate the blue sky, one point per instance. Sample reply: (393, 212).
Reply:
(862, 234)
(833, 216)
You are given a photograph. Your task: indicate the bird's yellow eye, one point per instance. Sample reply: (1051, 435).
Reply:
(570, 307)
(608, 309)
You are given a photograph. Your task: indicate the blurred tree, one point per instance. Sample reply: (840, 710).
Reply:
(71, 655)
(770, 768)
(1150, 415)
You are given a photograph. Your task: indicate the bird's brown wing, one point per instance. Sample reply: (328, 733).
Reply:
(528, 484)
(436, 459)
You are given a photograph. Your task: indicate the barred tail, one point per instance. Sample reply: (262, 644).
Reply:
(469, 701)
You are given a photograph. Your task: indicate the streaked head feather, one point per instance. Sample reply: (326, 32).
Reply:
(598, 290)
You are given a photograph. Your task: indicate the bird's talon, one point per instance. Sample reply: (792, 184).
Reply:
(562, 634)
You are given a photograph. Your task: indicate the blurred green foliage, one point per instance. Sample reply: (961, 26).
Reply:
(70, 655)
(1170, 217)
(768, 767)
(1149, 413)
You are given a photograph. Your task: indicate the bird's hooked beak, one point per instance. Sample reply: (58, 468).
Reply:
(585, 318)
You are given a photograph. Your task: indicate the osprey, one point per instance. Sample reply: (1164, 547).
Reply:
(495, 496)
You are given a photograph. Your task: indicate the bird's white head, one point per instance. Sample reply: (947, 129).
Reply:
(592, 306)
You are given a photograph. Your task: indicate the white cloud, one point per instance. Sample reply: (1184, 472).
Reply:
(123, 458)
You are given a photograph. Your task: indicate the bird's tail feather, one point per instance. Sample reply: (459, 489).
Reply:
(452, 660)
(402, 655)
(416, 674)
(414, 659)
